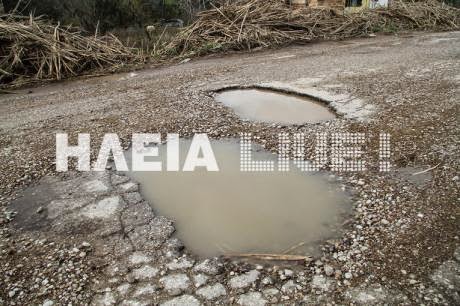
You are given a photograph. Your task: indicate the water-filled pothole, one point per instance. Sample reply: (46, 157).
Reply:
(274, 107)
(231, 211)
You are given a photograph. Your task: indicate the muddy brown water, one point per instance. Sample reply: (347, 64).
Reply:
(230, 211)
(274, 107)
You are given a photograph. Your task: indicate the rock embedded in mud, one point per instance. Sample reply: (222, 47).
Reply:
(245, 280)
(322, 283)
(209, 266)
(146, 272)
(105, 299)
(123, 289)
(137, 258)
(180, 264)
(290, 287)
(184, 300)
(200, 280)
(212, 292)
(175, 284)
(329, 270)
(272, 294)
(145, 291)
(286, 274)
(252, 299)
(267, 281)
(374, 295)
(48, 303)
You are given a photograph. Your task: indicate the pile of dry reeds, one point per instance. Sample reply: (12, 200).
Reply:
(247, 24)
(32, 49)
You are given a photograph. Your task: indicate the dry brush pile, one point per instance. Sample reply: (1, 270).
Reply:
(248, 24)
(32, 49)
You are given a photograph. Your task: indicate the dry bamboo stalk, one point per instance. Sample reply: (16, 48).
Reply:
(32, 49)
(265, 23)
(272, 257)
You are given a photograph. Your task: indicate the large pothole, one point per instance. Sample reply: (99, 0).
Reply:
(231, 211)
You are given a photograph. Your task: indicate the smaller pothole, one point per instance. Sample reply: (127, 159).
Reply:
(271, 106)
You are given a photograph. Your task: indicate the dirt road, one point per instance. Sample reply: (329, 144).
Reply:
(401, 244)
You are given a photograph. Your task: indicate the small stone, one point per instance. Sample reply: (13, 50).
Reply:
(209, 266)
(271, 293)
(329, 270)
(267, 280)
(244, 280)
(184, 300)
(173, 247)
(180, 264)
(200, 280)
(318, 263)
(106, 299)
(175, 283)
(145, 272)
(123, 289)
(131, 279)
(40, 210)
(321, 282)
(374, 295)
(212, 292)
(348, 275)
(145, 290)
(48, 303)
(137, 258)
(85, 245)
(288, 273)
(385, 222)
(289, 287)
(252, 299)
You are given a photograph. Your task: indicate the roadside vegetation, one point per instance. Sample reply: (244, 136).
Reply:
(76, 37)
